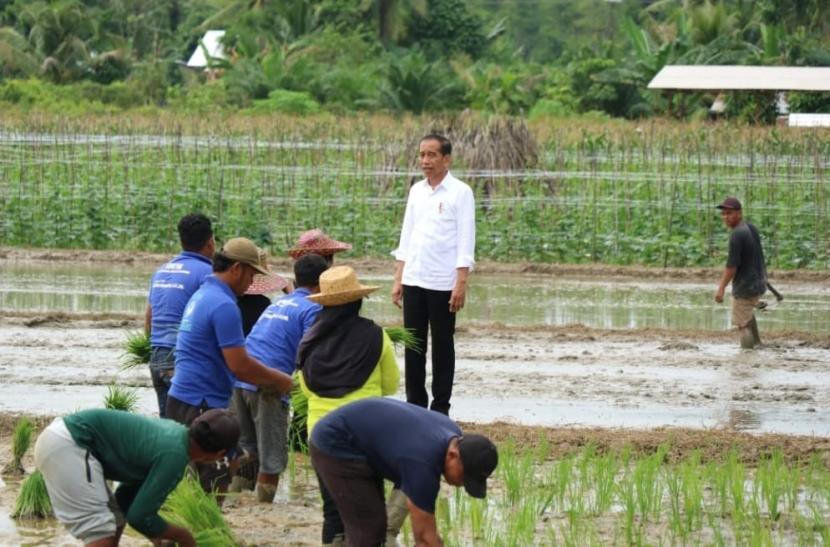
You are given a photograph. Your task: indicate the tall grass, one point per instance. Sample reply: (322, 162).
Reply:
(616, 193)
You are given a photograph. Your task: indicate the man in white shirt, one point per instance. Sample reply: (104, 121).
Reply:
(434, 257)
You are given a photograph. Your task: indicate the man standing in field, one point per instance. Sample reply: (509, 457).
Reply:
(170, 288)
(434, 257)
(746, 270)
(78, 454)
(356, 446)
(274, 341)
(210, 350)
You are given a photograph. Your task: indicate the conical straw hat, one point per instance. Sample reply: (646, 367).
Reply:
(339, 285)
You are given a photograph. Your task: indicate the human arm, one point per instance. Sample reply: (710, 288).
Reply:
(466, 229)
(728, 274)
(148, 319)
(424, 528)
(174, 535)
(142, 501)
(250, 370)
(397, 284)
(390, 374)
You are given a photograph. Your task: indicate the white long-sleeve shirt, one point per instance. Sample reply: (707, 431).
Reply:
(438, 234)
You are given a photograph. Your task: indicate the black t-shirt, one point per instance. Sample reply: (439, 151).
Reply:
(251, 306)
(403, 443)
(746, 254)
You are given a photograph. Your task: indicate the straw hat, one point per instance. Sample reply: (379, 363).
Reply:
(317, 242)
(339, 285)
(267, 284)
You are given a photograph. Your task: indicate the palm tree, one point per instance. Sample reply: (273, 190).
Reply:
(391, 15)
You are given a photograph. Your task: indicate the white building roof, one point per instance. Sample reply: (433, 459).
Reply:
(809, 120)
(755, 78)
(211, 42)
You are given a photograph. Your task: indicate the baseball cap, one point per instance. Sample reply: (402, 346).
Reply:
(479, 457)
(730, 203)
(215, 429)
(242, 249)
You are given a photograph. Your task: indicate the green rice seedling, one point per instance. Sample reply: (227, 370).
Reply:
(299, 417)
(627, 494)
(521, 526)
(21, 440)
(674, 485)
(478, 518)
(692, 492)
(647, 484)
(562, 476)
(820, 524)
(401, 336)
(737, 486)
(719, 483)
(120, 398)
(33, 499)
(770, 479)
(136, 350)
(190, 507)
(714, 522)
(604, 473)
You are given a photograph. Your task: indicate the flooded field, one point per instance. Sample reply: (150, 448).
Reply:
(511, 300)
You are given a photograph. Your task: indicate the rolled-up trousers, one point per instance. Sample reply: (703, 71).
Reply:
(424, 311)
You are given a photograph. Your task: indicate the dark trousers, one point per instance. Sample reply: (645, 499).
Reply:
(332, 523)
(212, 476)
(426, 310)
(357, 492)
(162, 361)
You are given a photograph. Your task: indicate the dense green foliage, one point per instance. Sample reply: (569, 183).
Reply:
(627, 195)
(302, 56)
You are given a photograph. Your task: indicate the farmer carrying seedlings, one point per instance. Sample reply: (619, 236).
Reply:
(79, 453)
(343, 358)
(210, 350)
(746, 270)
(434, 255)
(357, 446)
(170, 288)
(274, 340)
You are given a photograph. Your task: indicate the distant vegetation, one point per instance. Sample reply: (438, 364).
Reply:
(532, 58)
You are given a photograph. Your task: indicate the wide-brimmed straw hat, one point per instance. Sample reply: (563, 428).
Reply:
(339, 285)
(267, 284)
(317, 242)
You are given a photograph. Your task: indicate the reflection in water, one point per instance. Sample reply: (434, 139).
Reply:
(743, 420)
(525, 300)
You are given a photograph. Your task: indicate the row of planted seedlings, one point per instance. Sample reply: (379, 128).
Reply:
(617, 197)
(619, 498)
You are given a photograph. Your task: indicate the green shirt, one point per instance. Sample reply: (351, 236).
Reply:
(147, 456)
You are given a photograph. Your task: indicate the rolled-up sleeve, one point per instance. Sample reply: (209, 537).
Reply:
(402, 252)
(466, 227)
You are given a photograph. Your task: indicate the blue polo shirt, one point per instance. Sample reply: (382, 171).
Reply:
(211, 322)
(170, 288)
(401, 442)
(278, 331)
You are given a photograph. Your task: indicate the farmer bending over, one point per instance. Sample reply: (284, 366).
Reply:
(78, 454)
(358, 445)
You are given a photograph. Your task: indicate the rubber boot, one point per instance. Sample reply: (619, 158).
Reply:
(396, 513)
(747, 338)
(753, 326)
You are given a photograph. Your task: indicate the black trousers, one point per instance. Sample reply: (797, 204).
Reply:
(427, 310)
(357, 492)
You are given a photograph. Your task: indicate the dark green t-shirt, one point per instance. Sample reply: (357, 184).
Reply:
(147, 456)
(746, 254)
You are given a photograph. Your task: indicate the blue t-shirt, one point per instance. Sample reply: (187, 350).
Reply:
(402, 442)
(278, 331)
(170, 288)
(211, 322)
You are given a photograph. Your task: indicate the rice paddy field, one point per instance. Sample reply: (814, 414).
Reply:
(590, 350)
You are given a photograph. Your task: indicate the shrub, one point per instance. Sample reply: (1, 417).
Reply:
(286, 102)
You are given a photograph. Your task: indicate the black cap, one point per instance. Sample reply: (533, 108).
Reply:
(479, 458)
(730, 203)
(215, 429)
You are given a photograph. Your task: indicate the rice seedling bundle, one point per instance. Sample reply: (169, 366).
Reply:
(21, 440)
(33, 499)
(136, 350)
(120, 398)
(190, 507)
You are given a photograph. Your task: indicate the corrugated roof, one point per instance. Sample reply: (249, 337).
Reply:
(754, 78)
(212, 43)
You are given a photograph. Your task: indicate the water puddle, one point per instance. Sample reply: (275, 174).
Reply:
(512, 300)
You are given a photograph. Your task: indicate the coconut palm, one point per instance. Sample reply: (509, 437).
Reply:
(391, 15)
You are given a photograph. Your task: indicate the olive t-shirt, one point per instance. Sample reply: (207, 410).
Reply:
(746, 254)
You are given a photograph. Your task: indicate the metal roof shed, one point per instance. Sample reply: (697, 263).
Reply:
(748, 78)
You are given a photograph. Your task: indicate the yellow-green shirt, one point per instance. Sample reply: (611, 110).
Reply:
(383, 380)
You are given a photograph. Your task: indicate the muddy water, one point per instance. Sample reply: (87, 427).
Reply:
(512, 300)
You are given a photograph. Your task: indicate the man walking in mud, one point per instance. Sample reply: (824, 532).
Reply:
(171, 287)
(746, 270)
(434, 256)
